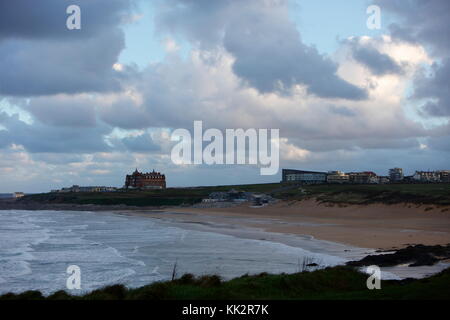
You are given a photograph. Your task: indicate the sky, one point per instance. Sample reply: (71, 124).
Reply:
(89, 106)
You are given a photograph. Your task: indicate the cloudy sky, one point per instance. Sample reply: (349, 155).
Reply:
(88, 106)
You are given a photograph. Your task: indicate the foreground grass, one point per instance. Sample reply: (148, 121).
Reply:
(331, 283)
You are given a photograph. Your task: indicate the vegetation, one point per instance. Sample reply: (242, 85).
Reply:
(168, 197)
(156, 197)
(331, 283)
(436, 194)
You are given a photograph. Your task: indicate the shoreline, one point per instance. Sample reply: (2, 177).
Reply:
(282, 223)
(335, 231)
(187, 221)
(374, 226)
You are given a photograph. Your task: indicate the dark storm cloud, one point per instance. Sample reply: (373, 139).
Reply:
(437, 88)
(342, 111)
(426, 22)
(124, 114)
(141, 143)
(40, 56)
(353, 144)
(440, 143)
(269, 53)
(64, 111)
(4, 138)
(200, 20)
(423, 21)
(47, 67)
(58, 158)
(378, 63)
(45, 19)
(37, 137)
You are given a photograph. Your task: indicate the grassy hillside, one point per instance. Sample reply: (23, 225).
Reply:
(132, 198)
(166, 197)
(438, 194)
(331, 283)
(364, 194)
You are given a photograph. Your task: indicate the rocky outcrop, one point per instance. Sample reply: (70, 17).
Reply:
(418, 255)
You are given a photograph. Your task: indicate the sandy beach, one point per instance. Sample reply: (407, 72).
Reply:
(375, 226)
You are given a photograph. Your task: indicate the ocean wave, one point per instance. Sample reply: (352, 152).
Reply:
(37, 247)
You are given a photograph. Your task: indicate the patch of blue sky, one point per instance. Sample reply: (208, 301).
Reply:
(11, 109)
(119, 133)
(325, 23)
(143, 45)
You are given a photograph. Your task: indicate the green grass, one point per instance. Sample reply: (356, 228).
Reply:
(438, 194)
(132, 198)
(331, 283)
(157, 197)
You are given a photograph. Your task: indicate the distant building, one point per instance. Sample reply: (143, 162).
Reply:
(76, 188)
(427, 176)
(366, 177)
(208, 200)
(303, 177)
(444, 175)
(260, 200)
(19, 195)
(149, 180)
(237, 196)
(218, 196)
(383, 179)
(396, 174)
(337, 177)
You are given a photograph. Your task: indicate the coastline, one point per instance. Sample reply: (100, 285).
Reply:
(349, 232)
(113, 248)
(376, 226)
(278, 228)
(342, 230)
(352, 282)
(373, 226)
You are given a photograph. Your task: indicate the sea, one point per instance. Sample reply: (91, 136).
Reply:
(37, 249)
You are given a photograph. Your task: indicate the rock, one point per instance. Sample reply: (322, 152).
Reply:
(418, 255)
